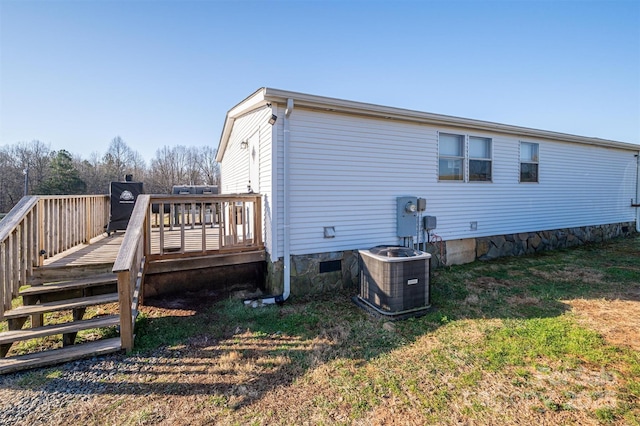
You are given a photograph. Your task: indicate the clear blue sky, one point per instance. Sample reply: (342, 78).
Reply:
(77, 73)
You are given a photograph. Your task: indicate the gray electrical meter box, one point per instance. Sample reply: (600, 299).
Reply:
(407, 216)
(429, 222)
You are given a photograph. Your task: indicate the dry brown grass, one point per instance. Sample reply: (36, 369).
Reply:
(618, 321)
(252, 379)
(352, 368)
(571, 273)
(616, 318)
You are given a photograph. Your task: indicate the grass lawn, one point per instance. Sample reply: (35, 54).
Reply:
(547, 339)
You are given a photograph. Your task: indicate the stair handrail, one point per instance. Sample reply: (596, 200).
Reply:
(18, 251)
(129, 266)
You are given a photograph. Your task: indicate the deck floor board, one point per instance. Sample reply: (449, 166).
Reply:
(104, 249)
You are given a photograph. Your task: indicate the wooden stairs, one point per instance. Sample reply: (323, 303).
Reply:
(62, 302)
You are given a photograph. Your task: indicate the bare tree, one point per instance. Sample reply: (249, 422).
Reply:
(138, 167)
(161, 174)
(176, 165)
(94, 173)
(36, 157)
(121, 160)
(192, 169)
(10, 188)
(24, 158)
(209, 168)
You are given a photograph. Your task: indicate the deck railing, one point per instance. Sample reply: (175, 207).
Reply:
(129, 266)
(39, 227)
(161, 227)
(181, 226)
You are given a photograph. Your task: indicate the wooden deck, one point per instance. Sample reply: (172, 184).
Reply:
(57, 257)
(104, 249)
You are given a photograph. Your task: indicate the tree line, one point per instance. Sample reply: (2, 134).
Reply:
(51, 172)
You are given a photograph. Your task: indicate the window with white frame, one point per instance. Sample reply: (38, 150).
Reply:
(479, 159)
(529, 162)
(459, 153)
(452, 158)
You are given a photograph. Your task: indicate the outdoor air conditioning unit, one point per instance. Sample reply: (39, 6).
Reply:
(394, 280)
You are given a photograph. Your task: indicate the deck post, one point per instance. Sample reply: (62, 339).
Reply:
(257, 217)
(88, 219)
(41, 241)
(124, 298)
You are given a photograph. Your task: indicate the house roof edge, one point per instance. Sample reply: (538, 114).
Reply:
(266, 95)
(381, 111)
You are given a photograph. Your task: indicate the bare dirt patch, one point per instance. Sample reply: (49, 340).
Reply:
(478, 290)
(487, 283)
(523, 300)
(186, 304)
(570, 273)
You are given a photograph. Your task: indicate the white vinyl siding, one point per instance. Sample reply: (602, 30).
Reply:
(346, 172)
(234, 168)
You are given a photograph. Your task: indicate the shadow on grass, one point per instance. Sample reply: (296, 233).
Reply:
(222, 349)
(538, 285)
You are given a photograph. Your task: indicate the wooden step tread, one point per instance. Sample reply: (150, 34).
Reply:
(47, 274)
(23, 311)
(57, 356)
(50, 330)
(98, 280)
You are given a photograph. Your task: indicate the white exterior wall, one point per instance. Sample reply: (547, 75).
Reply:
(234, 167)
(346, 171)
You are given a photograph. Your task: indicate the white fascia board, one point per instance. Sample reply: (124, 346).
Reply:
(391, 113)
(254, 101)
